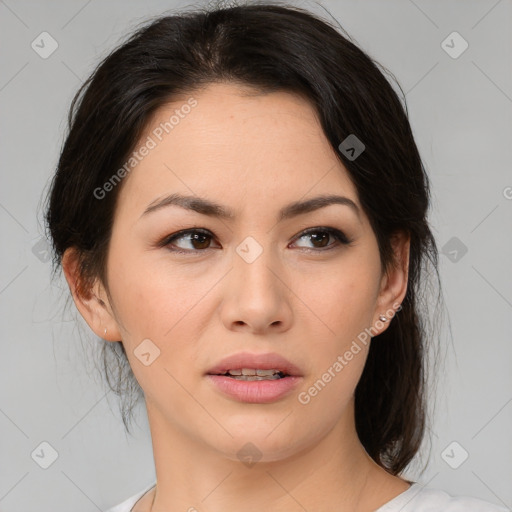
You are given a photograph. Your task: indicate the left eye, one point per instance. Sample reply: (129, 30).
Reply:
(200, 238)
(321, 236)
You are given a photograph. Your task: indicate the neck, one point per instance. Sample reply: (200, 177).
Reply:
(331, 474)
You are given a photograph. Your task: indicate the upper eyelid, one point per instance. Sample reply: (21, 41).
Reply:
(205, 231)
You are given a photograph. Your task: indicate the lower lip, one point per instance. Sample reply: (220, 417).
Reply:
(255, 391)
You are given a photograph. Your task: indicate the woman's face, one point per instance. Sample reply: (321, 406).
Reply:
(253, 283)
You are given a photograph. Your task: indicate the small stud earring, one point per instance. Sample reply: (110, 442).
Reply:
(105, 331)
(382, 318)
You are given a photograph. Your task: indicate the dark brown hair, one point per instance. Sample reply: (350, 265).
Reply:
(268, 47)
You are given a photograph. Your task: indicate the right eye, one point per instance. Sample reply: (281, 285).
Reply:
(199, 238)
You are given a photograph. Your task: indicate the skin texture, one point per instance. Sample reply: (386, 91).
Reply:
(255, 154)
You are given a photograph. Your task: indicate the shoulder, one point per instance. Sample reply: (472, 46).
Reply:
(127, 505)
(423, 499)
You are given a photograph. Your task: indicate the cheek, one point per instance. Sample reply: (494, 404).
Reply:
(169, 306)
(338, 350)
(161, 304)
(341, 299)
(153, 298)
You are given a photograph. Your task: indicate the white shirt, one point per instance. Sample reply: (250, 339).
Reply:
(415, 499)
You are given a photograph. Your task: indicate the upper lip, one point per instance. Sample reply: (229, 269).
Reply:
(266, 361)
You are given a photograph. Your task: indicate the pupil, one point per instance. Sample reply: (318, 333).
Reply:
(199, 236)
(316, 238)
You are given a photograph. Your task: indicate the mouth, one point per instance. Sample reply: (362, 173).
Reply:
(247, 366)
(253, 374)
(255, 378)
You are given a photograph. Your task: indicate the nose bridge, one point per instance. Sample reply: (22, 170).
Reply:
(253, 263)
(255, 295)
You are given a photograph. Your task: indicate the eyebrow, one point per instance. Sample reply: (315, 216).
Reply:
(212, 209)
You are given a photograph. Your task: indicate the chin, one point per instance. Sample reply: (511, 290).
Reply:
(258, 444)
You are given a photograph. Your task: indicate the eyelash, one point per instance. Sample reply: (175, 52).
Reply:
(338, 235)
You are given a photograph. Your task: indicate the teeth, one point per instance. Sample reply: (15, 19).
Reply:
(264, 373)
(256, 377)
(255, 374)
(251, 372)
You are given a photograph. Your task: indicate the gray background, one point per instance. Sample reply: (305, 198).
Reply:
(460, 110)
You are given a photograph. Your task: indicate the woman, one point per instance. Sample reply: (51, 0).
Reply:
(240, 211)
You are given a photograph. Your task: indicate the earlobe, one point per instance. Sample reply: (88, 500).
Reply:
(94, 309)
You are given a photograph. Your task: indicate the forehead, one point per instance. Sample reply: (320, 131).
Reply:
(236, 146)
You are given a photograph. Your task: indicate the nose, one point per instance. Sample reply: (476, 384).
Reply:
(256, 297)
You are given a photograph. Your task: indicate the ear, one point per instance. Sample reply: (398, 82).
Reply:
(92, 303)
(393, 286)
